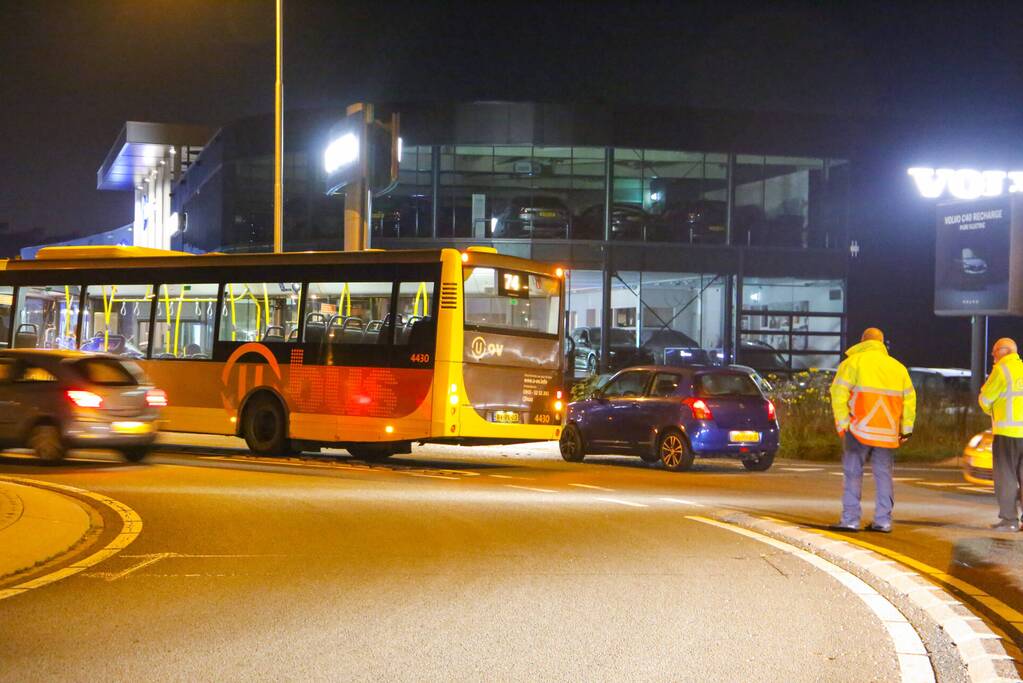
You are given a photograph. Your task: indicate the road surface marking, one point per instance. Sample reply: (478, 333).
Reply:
(430, 476)
(802, 469)
(976, 489)
(681, 501)
(591, 486)
(1013, 617)
(131, 527)
(619, 501)
(530, 488)
(466, 473)
(914, 663)
(508, 476)
(905, 478)
(145, 562)
(940, 483)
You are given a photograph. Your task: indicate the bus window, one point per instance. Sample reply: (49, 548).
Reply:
(116, 319)
(183, 327)
(260, 311)
(46, 317)
(348, 312)
(511, 301)
(415, 308)
(6, 301)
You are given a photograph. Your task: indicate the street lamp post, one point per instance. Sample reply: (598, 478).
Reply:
(279, 140)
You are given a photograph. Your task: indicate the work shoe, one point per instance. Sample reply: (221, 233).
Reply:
(1005, 526)
(879, 528)
(853, 528)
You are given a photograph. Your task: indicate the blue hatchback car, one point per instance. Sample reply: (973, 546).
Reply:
(672, 415)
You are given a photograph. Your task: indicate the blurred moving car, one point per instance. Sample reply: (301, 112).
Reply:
(977, 459)
(628, 222)
(53, 401)
(583, 349)
(672, 415)
(533, 216)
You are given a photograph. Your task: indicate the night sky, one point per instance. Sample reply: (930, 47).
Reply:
(72, 72)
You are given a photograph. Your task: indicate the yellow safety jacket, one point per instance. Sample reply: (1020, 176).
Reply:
(872, 396)
(1001, 397)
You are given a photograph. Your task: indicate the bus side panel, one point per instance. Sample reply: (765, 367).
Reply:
(448, 362)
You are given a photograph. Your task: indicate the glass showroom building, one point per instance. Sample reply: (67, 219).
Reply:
(726, 238)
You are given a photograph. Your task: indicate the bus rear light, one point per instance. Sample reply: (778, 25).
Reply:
(156, 398)
(453, 398)
(84, 399)
(363, 400)
(700, 409)
(771, 413)
(558, 405)
(465, 257)
(389, 429)
(559, 272)
(558, 394)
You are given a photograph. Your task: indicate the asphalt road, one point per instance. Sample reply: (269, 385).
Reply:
(480, 564)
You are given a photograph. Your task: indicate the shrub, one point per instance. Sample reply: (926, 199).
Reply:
(803, 401)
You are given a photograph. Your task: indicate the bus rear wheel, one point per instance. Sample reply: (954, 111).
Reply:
(265, 426)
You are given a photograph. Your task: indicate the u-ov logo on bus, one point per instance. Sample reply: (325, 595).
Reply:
(480, 349)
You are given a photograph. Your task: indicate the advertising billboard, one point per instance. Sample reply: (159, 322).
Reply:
(978, 254)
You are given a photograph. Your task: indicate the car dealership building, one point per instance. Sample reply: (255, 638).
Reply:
(730, 230)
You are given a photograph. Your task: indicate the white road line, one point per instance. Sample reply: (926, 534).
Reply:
(508, 476)
(591, 486)
(680, 501)
(914, 664)
(940, 483)
(802, 469)
(430, 476)
(466, 473)
(905, 478)
(619, 501)
(530, 488)
(976, 489)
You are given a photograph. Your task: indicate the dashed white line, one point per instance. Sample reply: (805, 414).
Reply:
(619, 501)
(508, 476)
(976, 489)
(680, 501)
(905, 478)
(803, 469)
(940, 483)
(591, 486)
(530, 488)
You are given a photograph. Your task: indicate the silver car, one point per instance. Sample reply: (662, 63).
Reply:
(53, 401)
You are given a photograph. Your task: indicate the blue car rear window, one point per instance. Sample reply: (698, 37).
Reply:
(725, 384)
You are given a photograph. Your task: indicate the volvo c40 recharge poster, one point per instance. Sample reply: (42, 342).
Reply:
(977, 267)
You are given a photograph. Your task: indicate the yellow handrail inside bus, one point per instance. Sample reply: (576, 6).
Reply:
(421, 292)
(67, 310)
(177, 321)
(167, 310)
(345, 290)
(230, 297)
(108, 308)
(266, 307)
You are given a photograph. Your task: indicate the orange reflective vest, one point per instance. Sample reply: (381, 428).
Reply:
(872, 396)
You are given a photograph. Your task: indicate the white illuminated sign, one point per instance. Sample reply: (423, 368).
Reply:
(341, 152)
(965, 183)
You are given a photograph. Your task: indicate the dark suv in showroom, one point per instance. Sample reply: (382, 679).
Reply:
(533, 216)
(583, 349)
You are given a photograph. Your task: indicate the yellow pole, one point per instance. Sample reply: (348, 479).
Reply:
(279, 138)
(167, 311)
(108, 309)
(177, 320)
(230, 296)
(266, 306)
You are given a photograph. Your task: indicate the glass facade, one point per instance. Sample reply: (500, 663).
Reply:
(791, 323)
(540, 192)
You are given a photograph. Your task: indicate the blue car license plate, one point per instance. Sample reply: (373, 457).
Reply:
(744, 437)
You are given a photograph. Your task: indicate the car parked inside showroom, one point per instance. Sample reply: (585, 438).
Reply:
(674, 415)
(52, 401)
(533, 216)
(582, 349)
(628, 222)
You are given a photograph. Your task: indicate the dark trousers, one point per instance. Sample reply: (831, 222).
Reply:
(1007, 456)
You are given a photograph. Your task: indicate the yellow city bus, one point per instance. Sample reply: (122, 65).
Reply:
(370, 351)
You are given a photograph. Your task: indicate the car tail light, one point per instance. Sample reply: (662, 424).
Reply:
(700, 409)
(84, 399)
(771, 413)
(156, 398)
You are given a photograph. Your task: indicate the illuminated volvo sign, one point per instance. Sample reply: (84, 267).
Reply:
(965, 183)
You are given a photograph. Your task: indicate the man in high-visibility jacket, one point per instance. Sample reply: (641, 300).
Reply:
(874, 406)
(1001, 397)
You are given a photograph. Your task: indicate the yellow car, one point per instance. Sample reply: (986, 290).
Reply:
(977, 459)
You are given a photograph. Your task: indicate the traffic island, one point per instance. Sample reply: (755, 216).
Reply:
(39, 525)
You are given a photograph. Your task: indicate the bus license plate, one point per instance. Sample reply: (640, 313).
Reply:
(744, 437)
(506, 416)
